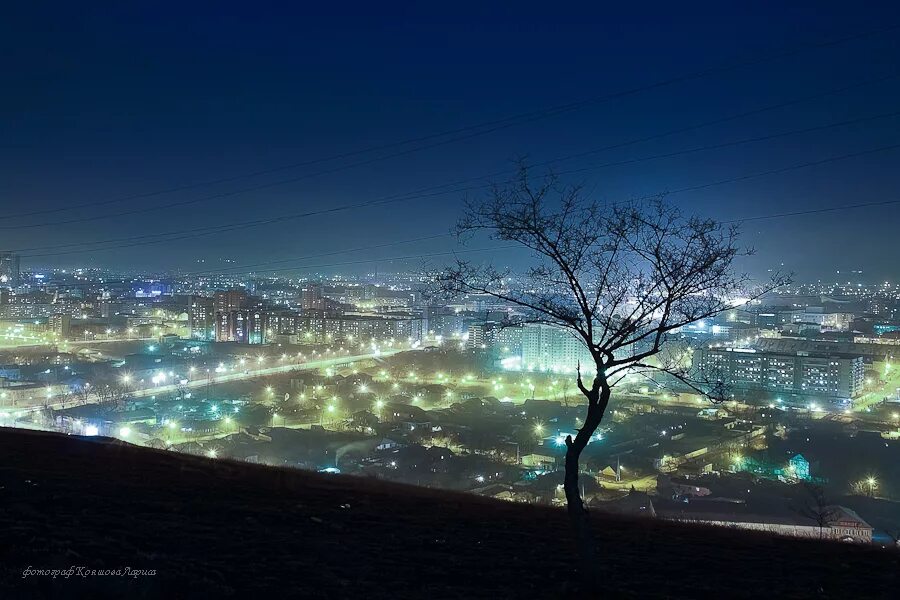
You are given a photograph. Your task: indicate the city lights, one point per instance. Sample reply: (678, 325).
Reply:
(170, 288)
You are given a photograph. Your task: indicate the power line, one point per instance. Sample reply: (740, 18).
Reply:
(782, 169)
(701, 186)
(409, 257)
(222, 270)
(637, 199)
(192, 234)
(365, 261)
(487, 127)
(722, 119)
(814, 211)
(448, 253)
(326, 265)
(593, 151)
(180, 203)
(735, 142)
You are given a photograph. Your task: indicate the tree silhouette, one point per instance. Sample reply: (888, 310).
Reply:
(816, 507)
(621, 278)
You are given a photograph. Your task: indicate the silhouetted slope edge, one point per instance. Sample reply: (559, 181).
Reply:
(221, 528)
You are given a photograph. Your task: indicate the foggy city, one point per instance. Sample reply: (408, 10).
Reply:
(481, 300)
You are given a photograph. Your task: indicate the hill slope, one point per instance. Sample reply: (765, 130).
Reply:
(228, 529)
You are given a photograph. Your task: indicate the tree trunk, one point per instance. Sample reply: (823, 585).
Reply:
(578, 515)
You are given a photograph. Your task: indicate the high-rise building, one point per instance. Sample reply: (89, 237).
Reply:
(9, 270)
(202, 318)
(552, 348)
(244, 326)
(803, 373)
(60, 324)
(227, 302)
(509, 340)
(482, 335)
(283, 322)
(317, 327)
(239, 317)
(445, 322)
(312, 297)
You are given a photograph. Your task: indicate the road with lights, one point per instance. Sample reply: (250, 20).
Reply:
(236, 373)
(240, 374)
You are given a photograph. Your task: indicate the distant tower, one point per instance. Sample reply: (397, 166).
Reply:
(227, 302)
(9, 270)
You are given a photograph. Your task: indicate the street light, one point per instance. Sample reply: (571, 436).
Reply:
(867, 486)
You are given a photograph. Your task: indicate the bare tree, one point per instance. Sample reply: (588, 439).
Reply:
(83, 393)
(865, 487)
(107, 390)
(111, 394)
(619, 277)
(816, 506)
(110, 387)
(181, 391)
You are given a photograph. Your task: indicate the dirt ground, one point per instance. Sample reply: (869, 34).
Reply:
(210, 528)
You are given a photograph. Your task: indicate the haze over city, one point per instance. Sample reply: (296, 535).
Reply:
(483, 300)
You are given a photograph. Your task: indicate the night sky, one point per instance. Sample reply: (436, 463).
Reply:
(106, 102)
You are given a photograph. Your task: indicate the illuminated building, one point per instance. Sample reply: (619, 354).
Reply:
(483, 335)
(312, 297)
(202, 318)
(9, 270)
(60, 324)
(245, 326)
(444, 321)
(318, 327)
(798, 466)
(229, 300)
(509, 340)
(803, 373)
(284, 322)
(226, 303)
(552, 348)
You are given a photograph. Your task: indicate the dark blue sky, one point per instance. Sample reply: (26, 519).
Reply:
(103, 102)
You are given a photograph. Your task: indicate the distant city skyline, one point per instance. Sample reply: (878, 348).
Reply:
(283, 284)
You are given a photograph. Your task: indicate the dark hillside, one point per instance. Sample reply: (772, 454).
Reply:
(222, 529)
